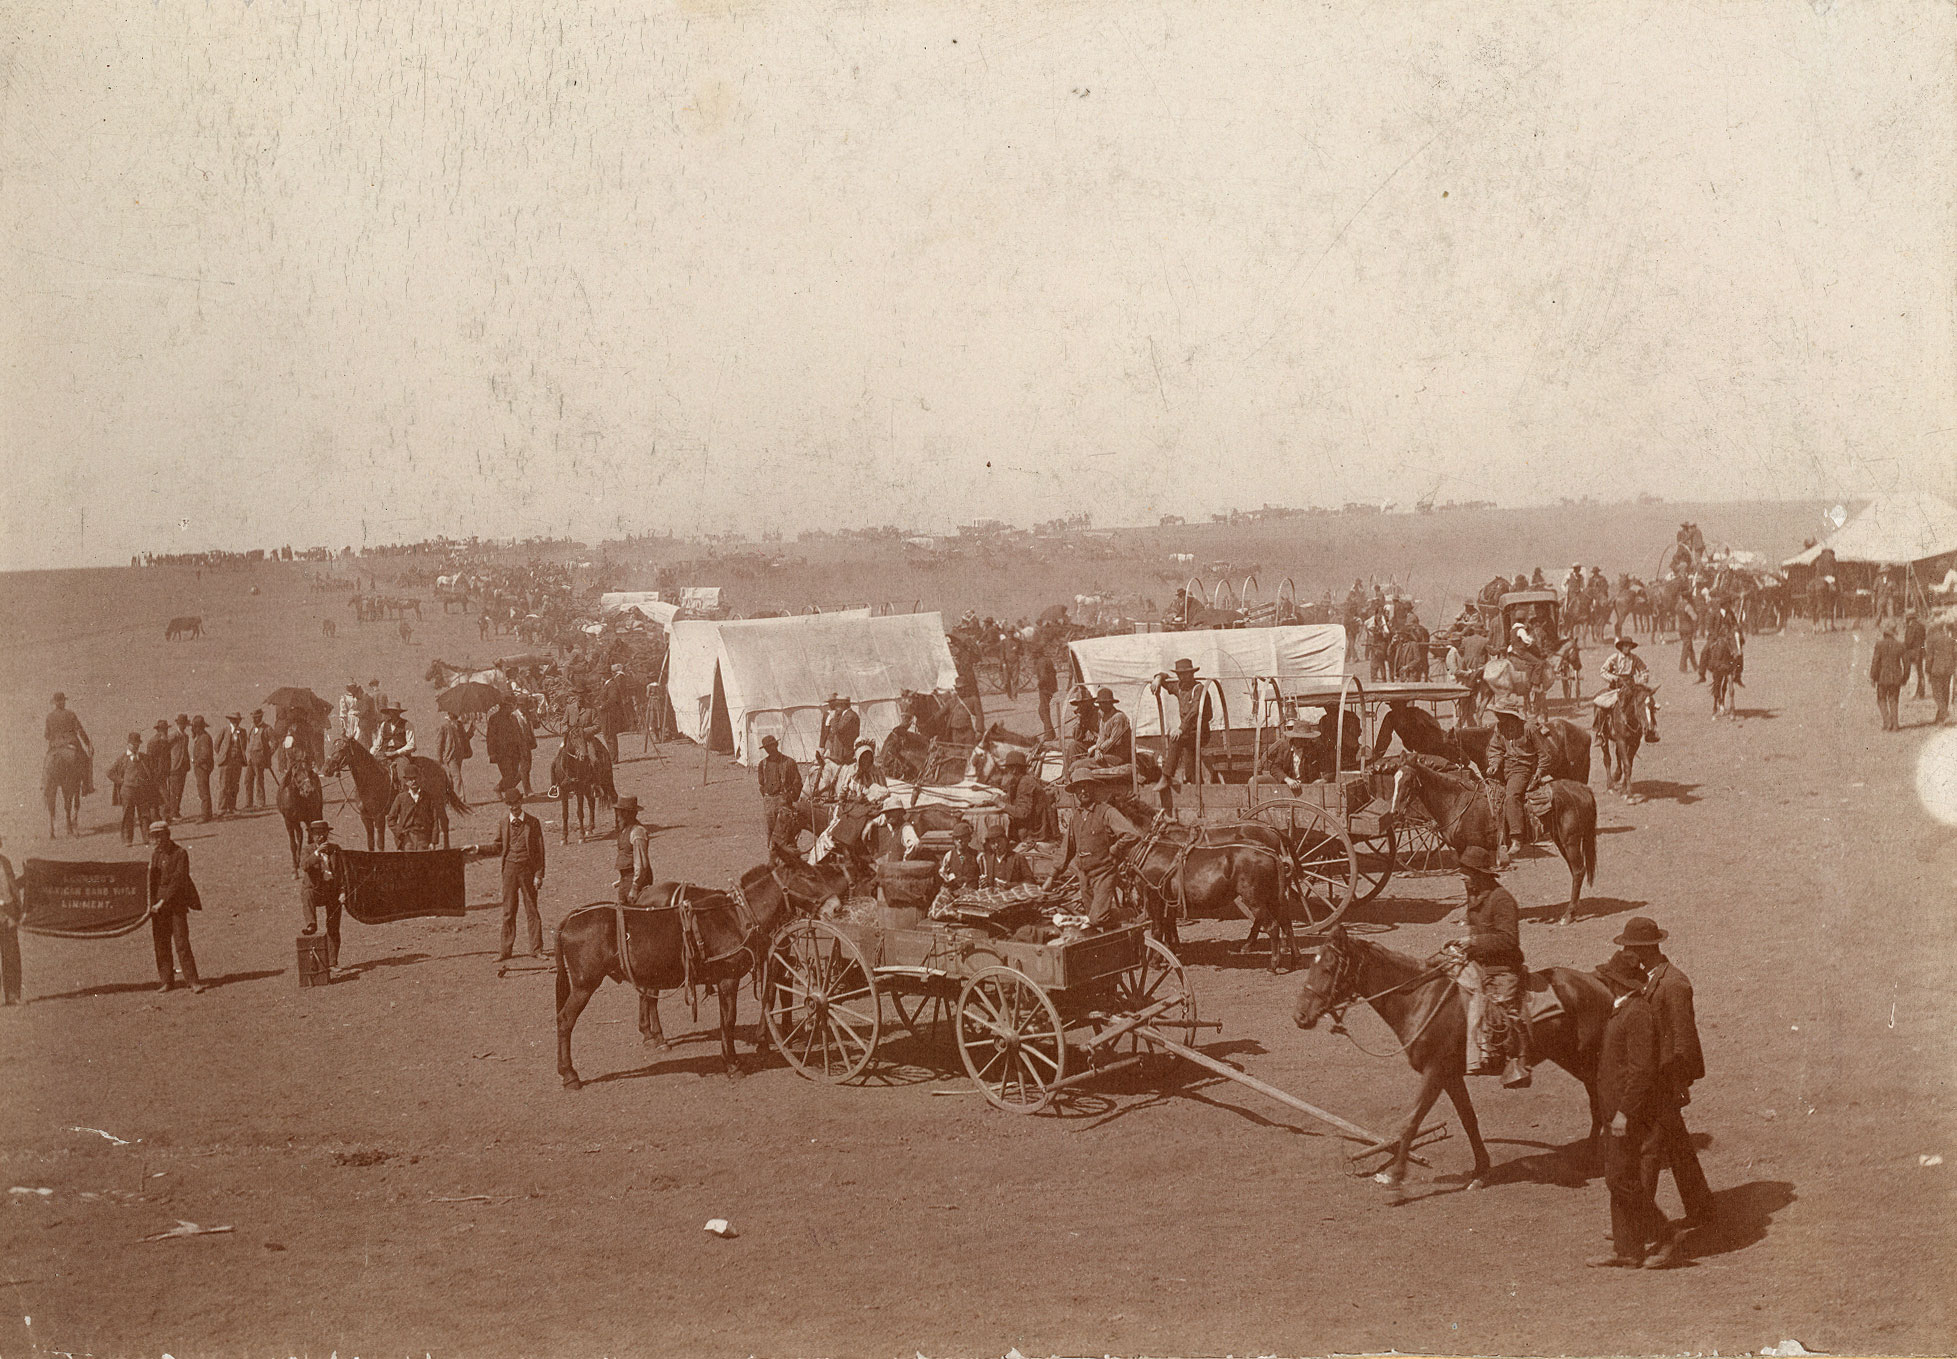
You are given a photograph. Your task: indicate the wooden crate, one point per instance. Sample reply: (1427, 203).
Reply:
(961, 952)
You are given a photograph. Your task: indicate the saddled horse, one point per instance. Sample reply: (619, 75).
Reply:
(1422, 734)
(1623, 719)
(1427, 1012)
(302, 801)
(375, 789)
(1216, 873)
(1465, 811)
(62, 777)
(1722, 663)
(693, 936)
(580, 779)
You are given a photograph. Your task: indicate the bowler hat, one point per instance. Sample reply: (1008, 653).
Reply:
(161, 725)
(391, 708)
(1641, 929)
(1622, 971)
(513, 796)
(1479, 858)
(626, 806)
(234, 717)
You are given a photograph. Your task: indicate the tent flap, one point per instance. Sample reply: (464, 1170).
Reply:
(1126, 664)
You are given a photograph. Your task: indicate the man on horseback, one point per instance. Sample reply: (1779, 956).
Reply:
(63, 731)
(394, 743)
(1094, 843)
(1516, 762)
(1624, 669)
(1495, 984)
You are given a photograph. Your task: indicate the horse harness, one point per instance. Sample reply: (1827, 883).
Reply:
(693, 950)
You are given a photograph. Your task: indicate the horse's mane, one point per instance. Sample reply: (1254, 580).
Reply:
(1390, 956)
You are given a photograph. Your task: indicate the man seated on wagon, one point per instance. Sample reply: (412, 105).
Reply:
(904, 751)
(1024, 793)
(1086, 725)
(1000, 865)
(1114, 739)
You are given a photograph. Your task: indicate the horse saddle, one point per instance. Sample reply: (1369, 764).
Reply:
(1607, 699)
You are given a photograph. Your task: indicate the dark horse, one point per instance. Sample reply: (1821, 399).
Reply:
(1722, 663)
(581, 774)
(1565, 743)
(1427, 1013)
(302, 800)
(1619, 728)
(376, 789)
(1459, 805)
(693, 935)
(62, 776)
(1217, 873)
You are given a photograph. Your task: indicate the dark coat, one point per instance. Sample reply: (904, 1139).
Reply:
(779, 776)
(1680, 1060)
(169, 883)
(231, 747)
(1940, 653)
(178, 744)
(1627, 1061)
(1494, 929)
(203, 754)
(518, 844)
(1886, 663)
(408, 817)
(503, 739)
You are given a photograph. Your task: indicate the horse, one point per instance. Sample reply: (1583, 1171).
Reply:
(1427, 1013)
(1464, 811)
(185, 626)
(1422, 734)
(581, 775)
(695, 935)
(301, 800)
(1216, 873)
(1623, 720)
(1722, 662)
(62, 776)
(375, 789)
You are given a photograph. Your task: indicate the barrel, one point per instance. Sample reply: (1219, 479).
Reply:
(312, 960)
(908, 883)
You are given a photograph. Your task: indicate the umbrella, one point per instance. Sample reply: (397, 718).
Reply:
(292, 696)
(469, 698)
(527, 659)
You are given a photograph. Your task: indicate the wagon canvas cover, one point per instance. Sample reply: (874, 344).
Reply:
(1234, 656)
(732, 683)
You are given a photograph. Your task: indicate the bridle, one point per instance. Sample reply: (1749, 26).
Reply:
(1335, 1008)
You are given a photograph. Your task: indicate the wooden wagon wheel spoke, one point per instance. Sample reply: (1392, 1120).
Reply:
(817, 981)
(1005, 1019)
(1324, 867)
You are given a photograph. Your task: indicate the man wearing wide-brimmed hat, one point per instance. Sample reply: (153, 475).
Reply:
(322, 884)
(1114, 742)
(1494, 946)
(1517, 762)
(1093, 844)
(63, 731)
(841, 726)
(394, 743)
(1624, 667)
(179, 744)
(1194, 711)
(1681, 1061)
(203, 759)
(1629, 1098)
(632, 858)
(779, 778)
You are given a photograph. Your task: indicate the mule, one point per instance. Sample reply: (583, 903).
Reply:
(1428, 1014)
(1215, 873)
(581, 778)
(648, 948)
(62, 776)
(301, 801)
(1619, 726)
(375, 789)
(1466, 812)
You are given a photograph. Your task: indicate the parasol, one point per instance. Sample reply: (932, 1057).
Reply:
(293, 696)
(469, 698)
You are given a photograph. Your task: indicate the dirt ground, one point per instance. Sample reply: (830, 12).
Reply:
(1807, 893)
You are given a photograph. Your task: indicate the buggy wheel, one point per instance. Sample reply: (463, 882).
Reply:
(821, 1002)
(1324, 865)
(1419, 847)
(1158, 979)
(1011, 1040)
(1375, 856)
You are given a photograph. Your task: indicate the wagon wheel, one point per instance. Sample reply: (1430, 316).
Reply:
(1419, 848)
(1158, 977)
(1325, 865)
(1375, 855)
(1011, 1040)
(821, 1002)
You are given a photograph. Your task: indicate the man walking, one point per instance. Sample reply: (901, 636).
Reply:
(1687, 617)
(519, 845)
(172, 897)
(321, 884)
(231, 761)
(259, 745)
(1940, 662)
(179, 741)
(1914, 635)
(1886, 668)
(203, 759)
(1628, 1096)
(451, 749)
(615, 708)
(780, 780)
(1680, 1062)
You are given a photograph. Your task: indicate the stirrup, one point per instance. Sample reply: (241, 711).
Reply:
(1515, 1074)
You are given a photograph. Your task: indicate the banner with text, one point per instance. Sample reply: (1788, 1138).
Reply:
(83, 900)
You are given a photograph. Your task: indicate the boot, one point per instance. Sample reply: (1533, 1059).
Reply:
(1515, 1075)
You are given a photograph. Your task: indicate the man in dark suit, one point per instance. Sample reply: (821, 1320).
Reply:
(172, 896)
(1628, 1095)
(412, 815)
(230, 762)
(1680, 1062)
(1886, 670)
(179, 773)
(322, 884)
(1914, 635)
(519, 844)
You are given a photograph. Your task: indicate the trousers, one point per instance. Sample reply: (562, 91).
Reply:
(1686, 660)
(230, 777)
(1635, 1221)
(169, 932)
(1888, 699)
(453, 768)
(255, 785)
(173, 798)
(520, 894)
(1514, 784)
(10, 961)
(310, 909)
(1940, 690)
(1097, 896)
(770, 808)
(1674, 1151)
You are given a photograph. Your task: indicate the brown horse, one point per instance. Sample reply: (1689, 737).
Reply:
(1721, 660)
(375, 789)
(1216, 873)
(1428, 1015)
(1460, 806)
(694, 935)
(580, 779)
(62, 776)
(302, 800)
(1619, 728)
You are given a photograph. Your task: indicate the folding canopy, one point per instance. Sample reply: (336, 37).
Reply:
(1234, 656)
(731, 683)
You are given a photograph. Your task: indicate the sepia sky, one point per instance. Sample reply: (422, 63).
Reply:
(367, 270)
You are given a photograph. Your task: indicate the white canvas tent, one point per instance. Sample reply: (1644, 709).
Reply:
(731, 683)
(1891, 530)
(1126, 663)
(646, 603)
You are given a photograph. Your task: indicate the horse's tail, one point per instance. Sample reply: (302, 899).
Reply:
(1590, 846)
(563, 977)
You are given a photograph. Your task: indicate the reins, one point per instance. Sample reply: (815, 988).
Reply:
(1337, 1010)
